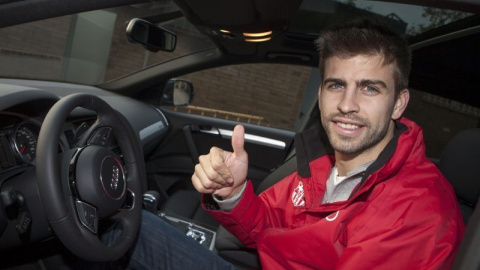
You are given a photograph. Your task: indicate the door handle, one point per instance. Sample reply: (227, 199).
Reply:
(227, 134)
(204, 129)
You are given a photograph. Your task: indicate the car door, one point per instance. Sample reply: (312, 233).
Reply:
(269, 100)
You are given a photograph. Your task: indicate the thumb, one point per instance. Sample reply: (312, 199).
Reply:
(238, 140)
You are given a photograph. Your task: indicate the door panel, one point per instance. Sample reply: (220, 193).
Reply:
(172, 164)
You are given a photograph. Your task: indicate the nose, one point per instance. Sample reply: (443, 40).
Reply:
(348, 102)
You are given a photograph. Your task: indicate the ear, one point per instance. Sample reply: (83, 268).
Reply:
(400, 104)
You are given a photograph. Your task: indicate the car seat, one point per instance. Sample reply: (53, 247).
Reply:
(460, 163)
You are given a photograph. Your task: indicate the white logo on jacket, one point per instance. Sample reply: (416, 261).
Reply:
(332, 218)
(298, 195)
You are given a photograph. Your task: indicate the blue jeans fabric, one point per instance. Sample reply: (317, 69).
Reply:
(161, 246)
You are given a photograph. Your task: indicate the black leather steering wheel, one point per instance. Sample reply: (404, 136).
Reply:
(89, 184)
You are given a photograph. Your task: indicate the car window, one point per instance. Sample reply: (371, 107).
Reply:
(440, 118)
(444, 89)
(262, 94)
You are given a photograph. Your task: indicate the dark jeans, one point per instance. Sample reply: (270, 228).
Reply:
(160, 246)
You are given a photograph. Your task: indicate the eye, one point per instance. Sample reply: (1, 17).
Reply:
(370, 90)
(335, 86)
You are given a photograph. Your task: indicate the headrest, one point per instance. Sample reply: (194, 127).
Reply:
(460, 163)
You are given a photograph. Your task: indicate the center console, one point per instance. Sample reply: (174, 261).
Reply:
(200, 234)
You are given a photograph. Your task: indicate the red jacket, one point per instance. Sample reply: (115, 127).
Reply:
(402, 215)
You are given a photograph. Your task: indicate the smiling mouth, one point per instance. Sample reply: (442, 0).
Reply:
(347, 126)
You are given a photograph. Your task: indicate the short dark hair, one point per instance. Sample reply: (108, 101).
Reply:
(367, 37)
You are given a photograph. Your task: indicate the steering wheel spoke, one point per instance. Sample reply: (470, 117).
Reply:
(129, 203)
(87, 214)
(100, 136)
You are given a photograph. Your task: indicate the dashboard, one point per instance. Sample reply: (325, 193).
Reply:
(23, 107)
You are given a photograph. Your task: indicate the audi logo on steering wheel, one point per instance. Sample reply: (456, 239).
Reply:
(112, 177)
(115, 176)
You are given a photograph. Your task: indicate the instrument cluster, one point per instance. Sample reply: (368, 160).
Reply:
(18, 141)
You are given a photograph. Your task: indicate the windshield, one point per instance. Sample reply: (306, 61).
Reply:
(92, 47)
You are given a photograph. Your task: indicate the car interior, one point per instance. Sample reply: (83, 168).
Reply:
(133, 91)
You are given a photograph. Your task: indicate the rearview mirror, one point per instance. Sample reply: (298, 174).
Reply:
(153, 38)
(177, 92)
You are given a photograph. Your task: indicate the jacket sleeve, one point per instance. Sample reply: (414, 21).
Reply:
(253, 213)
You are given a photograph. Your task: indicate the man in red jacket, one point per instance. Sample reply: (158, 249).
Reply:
(376, 202)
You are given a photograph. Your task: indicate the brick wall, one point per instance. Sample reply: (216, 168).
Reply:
(272, 91)
(43, 48)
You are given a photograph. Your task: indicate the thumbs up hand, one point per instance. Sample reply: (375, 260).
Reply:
(222, 172)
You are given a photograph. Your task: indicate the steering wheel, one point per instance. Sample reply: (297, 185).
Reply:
(89, 184)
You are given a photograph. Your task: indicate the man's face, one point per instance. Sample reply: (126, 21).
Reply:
(357, 104)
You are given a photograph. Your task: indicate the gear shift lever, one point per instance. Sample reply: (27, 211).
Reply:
(150, 201)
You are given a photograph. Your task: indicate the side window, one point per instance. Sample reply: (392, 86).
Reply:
(262, 94)
(444, 90)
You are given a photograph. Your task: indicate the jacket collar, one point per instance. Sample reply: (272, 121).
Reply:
(384, 158)
(310, 144)
(313, 143)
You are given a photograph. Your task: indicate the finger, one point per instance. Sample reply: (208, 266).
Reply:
(203, 181)
(207, 181)
(238, 140)
(197, 184)
(216, 165)
(206, 170)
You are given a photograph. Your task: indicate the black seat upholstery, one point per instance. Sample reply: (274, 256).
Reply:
(467, 257)
(460, 163)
